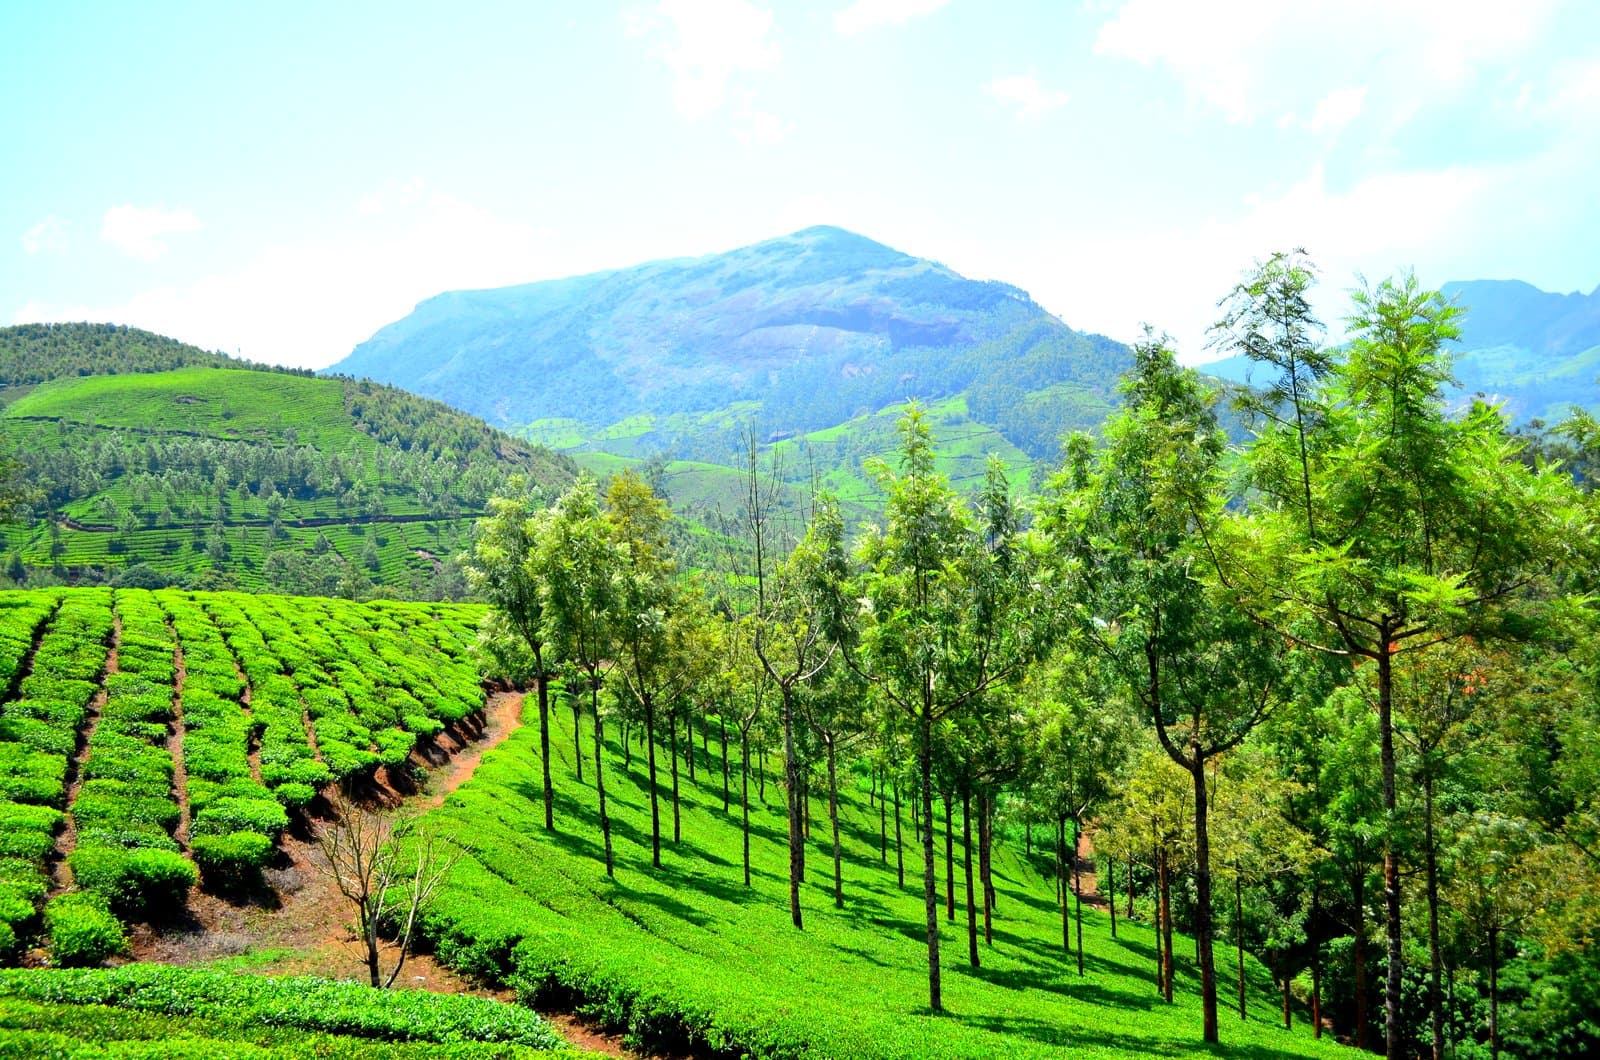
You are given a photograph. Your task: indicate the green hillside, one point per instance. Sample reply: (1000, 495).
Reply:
(688, 956)
(229, 477)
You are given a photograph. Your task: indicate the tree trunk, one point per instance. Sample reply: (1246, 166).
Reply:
(577, 740)
(899, 845)
(1202, 904)
(369, 935)
(1077, 888)
(1061, 883)
(795, 807)
(600, 776)
(930, 886)
(725, 799)
(1393, 1032)
(1166, 924)
(966, 864)
(833, 820)
(984, 878)
(883, 822)
(949, 860)
(1494, 993)
(1128, 911)
(744, 798)
(1238, 932)
(650, 750)
(627, 745)
(672, 721)
(1283, 968)
(688, 749)
(1111, 892)
(543, 687)
(761, 772)
(1358, 891)
(1435, 960)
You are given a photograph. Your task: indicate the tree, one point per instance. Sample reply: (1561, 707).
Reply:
(1389, 523)
(941, 624)
(582, 565)
(389, 867)
(506, 570)
(1137, 521)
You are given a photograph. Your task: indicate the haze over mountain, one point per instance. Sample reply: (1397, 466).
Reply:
(798, 333)
(1536, 351)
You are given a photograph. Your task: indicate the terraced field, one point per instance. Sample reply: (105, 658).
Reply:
(150, 740)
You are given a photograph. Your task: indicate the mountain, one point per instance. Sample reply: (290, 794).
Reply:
(190, 467)
(795, 334)
(1537, 352)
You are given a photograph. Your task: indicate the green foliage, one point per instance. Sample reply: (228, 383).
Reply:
(139, 883)
(82, 929)
(231, 861)
(230, 1005)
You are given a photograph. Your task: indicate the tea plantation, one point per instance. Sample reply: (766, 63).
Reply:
(687, 956)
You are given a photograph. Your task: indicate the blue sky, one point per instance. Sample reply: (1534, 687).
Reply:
(281, 180)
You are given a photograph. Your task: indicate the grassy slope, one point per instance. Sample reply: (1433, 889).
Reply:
(689, 945)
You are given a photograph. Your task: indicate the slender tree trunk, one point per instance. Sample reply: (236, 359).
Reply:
(795, 800)
(672, 721)
(1129, 910)
(1394, 1033)
(1238, 932)
(949, 859)
(984, 877)
(1061, 883)
(1316, 960)
(1027, 838)
(1283, 968)
(1166, 922)
(688, 751)
(899, 845)
(930, 886)
(627, 745)
(600, 776)
(744, 798)
(1494, 993)
(1358, 956)
(1435, 960)
(724, 727)
(833, 821)
(761, 771)
(650, 750)
(966, 864)
(883, 822)
(1111, 892)
(577, 735)
(1077, 889)
(1202, 904)
(543, 686)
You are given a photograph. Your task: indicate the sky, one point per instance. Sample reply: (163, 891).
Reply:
(281, 180)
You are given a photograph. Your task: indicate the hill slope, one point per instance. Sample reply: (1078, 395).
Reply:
(794, 334)
(687, 955)
(1537, 352)
(259, 479)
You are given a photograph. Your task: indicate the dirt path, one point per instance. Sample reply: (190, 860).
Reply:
(304, 927)
(67, 839)
(1090, 878)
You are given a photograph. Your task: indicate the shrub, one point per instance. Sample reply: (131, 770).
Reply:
(233, 861)
(82, 930)
(234, 814)
(137, 883)
(294, 796)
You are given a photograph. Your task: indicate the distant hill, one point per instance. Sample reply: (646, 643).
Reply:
(792, 335)
(191, 467)
(1537, 352)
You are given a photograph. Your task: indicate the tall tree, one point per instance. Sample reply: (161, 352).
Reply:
(941, 623)
(1137, 523)
(1391, 523)
(581, 565)
(503, 570)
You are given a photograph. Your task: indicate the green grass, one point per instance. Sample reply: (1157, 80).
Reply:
(687, 952)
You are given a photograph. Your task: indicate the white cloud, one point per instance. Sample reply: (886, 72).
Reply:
(138, 231)
(1337, 109)
(707, 43)
(49, 236)
(309, 302)
(393, 195)
(1245, 58)
(864, 15)
(753, 127)
(1024, 92)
